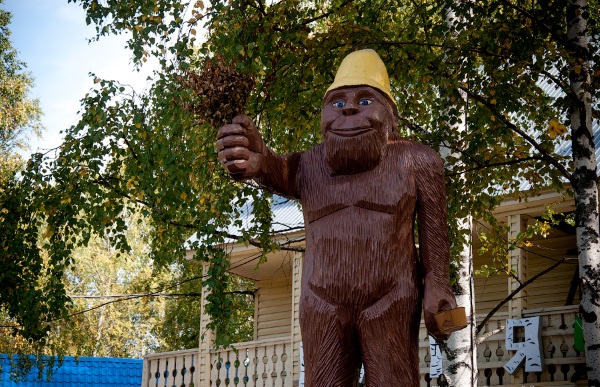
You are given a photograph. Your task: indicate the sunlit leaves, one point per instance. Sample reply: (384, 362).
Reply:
(156, 150)
(153, 25)
(19, 113)
(26, 296)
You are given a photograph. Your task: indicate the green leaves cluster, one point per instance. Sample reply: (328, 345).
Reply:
(150, 151)
(123, 306)
(19, 114)
(24, 294)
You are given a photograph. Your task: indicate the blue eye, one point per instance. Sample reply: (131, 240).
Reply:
(365, 102)
(338, 104)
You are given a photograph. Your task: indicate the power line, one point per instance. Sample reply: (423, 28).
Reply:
(126, 297)
(191, 294)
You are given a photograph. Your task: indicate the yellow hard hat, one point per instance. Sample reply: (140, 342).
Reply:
(363, 67)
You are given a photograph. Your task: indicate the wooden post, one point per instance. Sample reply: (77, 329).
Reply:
(296, 336)
(145, 372)
(207, 337)
(518, 263)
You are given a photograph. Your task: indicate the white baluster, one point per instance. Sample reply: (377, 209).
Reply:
(265, 375)
(252, 366)
(186, 375)
(277, 365)
(214, 371)
(154, 363)
(177, 367)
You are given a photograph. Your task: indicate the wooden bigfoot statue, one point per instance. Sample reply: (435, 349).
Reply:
(363, 279)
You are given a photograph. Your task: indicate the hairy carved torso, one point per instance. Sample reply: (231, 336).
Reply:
(360, 241)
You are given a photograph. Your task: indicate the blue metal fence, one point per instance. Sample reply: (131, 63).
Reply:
(87, 372)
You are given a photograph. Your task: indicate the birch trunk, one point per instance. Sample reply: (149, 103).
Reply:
(460, 361)
(460, 357)
(585, 185)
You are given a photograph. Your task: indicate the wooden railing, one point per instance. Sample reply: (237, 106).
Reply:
(561, 359)
(177, 368)
(560, 356)
(268, 363)
(265, 363)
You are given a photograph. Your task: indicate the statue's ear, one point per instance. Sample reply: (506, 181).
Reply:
(395, 119)
(394, 111)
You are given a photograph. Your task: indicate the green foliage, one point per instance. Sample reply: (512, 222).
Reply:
(19, 114)
(151, 150)
(179, 329)
(121, 328)
(123, 306)
(494, 239)
(26, 294)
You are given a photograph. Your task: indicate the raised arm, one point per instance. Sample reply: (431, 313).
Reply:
(244, 155)
(433, 236)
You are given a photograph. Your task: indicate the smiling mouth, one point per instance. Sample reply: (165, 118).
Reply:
(351, 132)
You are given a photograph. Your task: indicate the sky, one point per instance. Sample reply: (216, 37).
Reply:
(51, 36)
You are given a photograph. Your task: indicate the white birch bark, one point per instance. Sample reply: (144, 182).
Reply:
(460, 361)
(460, 357)
(584, 185)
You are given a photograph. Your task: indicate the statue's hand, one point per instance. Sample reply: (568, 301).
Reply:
(240, 148)
(437, 297)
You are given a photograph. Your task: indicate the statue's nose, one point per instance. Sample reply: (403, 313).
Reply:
(350, 109)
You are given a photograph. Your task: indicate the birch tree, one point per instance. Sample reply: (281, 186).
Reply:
(460, 360)
(584, 181)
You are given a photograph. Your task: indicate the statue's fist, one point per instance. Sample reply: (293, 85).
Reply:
(240, 148)
(438, 297)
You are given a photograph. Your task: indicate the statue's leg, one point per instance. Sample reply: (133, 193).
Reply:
(331, 347)
(389, 336)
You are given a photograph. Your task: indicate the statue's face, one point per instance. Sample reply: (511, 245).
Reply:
(356, 122)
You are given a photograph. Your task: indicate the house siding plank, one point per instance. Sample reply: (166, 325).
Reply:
(274, 309)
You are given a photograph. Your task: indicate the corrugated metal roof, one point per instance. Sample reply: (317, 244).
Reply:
(88, 372)
(287, 217)
(564, 148)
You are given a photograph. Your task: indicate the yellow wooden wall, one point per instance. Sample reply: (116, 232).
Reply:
(549, 290)
(273, 310)
(489, 291)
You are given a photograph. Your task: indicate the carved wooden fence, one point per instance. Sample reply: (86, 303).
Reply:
(265, 363)
(171, 369)
(562, 361)
(268, 363)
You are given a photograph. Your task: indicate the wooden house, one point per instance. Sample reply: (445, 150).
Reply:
(273, 357)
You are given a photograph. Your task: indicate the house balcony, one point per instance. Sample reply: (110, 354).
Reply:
(562, 361)
(269, 362)
(254, 363)
(274, 357)
(178, 368)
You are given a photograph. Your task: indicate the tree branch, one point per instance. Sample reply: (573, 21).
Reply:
(517, 290)
(536, 20)
(504, 163)
(544, 154)
(322, 16)
(483, 337)
(135, 156)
